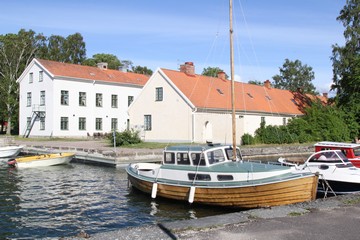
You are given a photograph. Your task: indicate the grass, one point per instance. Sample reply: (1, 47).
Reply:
(295, 214)
(352, 201)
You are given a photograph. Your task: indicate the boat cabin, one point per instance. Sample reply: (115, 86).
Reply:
(350, 150)
(199, 155)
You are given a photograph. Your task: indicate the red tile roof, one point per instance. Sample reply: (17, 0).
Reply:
(93, 73)
(215, 93)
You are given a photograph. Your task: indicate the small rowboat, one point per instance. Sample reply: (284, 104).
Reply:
(43, 160)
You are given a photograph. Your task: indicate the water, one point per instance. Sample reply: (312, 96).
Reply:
(60, 201)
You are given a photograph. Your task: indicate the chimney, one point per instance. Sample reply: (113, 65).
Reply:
(325, 95)
(188, 68)
(267, 84)
(221, 75)
(102, 65)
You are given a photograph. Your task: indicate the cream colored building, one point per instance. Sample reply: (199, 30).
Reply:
(181, 106)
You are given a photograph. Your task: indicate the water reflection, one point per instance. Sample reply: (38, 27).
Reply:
(61, 201)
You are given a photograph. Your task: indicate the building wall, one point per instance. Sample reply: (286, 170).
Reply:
(35, 88)
(171, 118)
(216, 127)
(54, 109)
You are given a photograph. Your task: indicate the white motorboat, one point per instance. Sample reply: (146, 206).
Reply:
(337, 174)
(10, 151)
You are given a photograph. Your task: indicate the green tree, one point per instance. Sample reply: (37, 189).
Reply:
(212, 72)
(16, 52)
(74, 49)
(58, 48)
(294, 75)
(112, 60)
(142, 70)
(346, 65)
(256, 82)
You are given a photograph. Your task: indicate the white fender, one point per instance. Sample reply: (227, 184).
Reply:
(154, 190)
(192, 194)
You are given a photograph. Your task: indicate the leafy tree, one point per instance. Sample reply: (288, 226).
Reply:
(256, 82)
(142, 70)
(57, 48)
(112, 61)
(346, 65)
(74, 49)
(212, 72)
(16, 52)
(294, 75)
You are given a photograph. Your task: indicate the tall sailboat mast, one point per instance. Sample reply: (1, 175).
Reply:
(232, 83)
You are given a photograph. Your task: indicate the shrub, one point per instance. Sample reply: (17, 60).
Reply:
(247, 139)
(126, 137)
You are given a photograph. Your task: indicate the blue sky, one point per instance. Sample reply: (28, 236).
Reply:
(168, 33)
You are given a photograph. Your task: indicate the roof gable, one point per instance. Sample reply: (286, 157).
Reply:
(58, 69)
(215, 93)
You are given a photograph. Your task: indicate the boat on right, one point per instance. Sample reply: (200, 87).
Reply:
(337, 175)
(350, 150)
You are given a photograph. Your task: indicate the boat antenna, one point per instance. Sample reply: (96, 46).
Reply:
(232, 82)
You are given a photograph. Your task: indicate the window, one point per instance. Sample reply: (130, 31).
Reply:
(31, 77)
(98, 100)
(147, 122)
(182, 159)
(114, 101)
(159, 94)
(28, 102)
(197, 176)
(98, 124)
(41, 76)
(130, 100)
(114, 124)
(64, 97)
(198, 159)
(42, 123)
(82, 123)
(284, 121)
(82, 98)
(64, 123)
(28, 123)
(262, 120)
(42, 98)
(215, 156)
(169, 158)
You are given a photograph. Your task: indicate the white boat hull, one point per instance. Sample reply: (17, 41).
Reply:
(44, 160)
(10, 151)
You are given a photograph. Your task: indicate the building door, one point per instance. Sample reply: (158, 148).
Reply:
(208, 134)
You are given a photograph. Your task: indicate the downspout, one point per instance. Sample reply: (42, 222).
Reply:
(193, 125)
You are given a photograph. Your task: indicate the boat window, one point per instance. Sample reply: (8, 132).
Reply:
(216, 156)
(229, 154)
(182, 159)
(169, 158)
(225, 177)
(202, 177)
(357, 151)
(198, 159)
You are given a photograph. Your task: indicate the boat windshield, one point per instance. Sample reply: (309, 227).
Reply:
(330, 157)
(215, 156)
(229, 153)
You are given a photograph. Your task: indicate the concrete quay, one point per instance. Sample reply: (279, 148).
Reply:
(100, 152)
(91, 151)
(331, 218)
